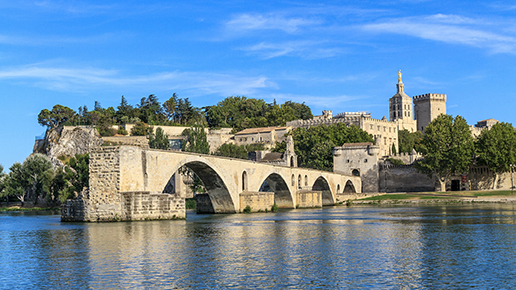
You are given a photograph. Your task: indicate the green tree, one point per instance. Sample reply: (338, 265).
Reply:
(408, 141)
(280, 115)
(70, 179)
(3, 181)
(314, 145)
(447, 147)
(58, 116)
(160, 140)
(15, 183)
(170, 107)
(237, 151)
(30, 180)
(151, 111)
(302, 111)
(197, 141)
(140, 129)
(496, 148)
(238, 112)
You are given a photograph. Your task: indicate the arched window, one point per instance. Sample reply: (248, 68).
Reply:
(355, 172)
(338, 188)
(293, 180)
(299, 181)
(306, 180)
(244, 181)
(291, 161)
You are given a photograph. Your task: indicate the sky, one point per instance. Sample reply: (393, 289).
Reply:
(342, 56)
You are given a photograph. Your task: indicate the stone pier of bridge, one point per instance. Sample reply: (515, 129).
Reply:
(132, 183)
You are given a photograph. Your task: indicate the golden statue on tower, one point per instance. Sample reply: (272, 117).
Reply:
(399, 76)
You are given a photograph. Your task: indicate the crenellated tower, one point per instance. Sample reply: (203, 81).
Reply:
(427, 107)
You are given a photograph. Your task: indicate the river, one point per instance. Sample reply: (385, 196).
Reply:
(359, 247)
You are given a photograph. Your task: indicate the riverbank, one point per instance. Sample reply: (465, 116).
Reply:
(493, 196)
(16, 206)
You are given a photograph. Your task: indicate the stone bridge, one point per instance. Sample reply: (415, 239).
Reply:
(132, 183)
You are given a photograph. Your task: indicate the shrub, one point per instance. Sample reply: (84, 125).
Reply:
(140, 129)
(247, 209)
(190, 203)
(274, 207)
(122, 131)
(396, 161)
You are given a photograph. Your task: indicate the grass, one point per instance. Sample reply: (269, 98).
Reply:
(17, 208)
(440, 195)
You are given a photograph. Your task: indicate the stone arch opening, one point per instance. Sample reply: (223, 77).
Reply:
(349, 188)
(338, 188)
(291, 161)
(217, 198)
(322, 185)
(282, 196)
(244, 181)
(355, 172)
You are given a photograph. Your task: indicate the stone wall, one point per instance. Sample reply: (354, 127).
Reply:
(151, 206)
(309, 198)
(403, 178)
(258, 201)
(140, 141)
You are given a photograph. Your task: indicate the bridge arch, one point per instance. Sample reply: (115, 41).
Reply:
(219, 195)
(349, 188)
(277, 184)
(321, 184)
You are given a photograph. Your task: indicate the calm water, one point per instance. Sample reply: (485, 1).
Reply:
(452, 247)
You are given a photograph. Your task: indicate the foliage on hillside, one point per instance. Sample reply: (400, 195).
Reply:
(314, 145)
(237, 151)
(236, 112)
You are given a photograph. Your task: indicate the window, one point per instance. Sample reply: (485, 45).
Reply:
(306, 180)
(244, 181)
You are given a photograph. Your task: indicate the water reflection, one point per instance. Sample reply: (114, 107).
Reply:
(358, 247)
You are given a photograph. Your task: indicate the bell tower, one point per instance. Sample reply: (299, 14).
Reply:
(400, 105)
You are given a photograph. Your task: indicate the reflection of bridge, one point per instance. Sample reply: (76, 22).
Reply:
(130, 182)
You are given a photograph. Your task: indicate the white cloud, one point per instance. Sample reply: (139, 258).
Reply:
(305, 49)
(445, 28)
(85, 79)
(247, 22)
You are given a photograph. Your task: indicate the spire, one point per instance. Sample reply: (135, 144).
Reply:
(400, 86)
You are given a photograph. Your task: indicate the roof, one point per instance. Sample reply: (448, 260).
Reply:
(273, 156)
(260, 130)
(357, 144)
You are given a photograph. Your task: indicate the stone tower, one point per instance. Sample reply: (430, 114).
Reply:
(400, 105)
(427, 107)
(400, 108)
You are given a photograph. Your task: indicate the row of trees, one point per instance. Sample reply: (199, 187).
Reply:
(235, 112)
(449, 148)
(36, 179)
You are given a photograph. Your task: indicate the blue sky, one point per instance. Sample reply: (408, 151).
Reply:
(337, 55)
